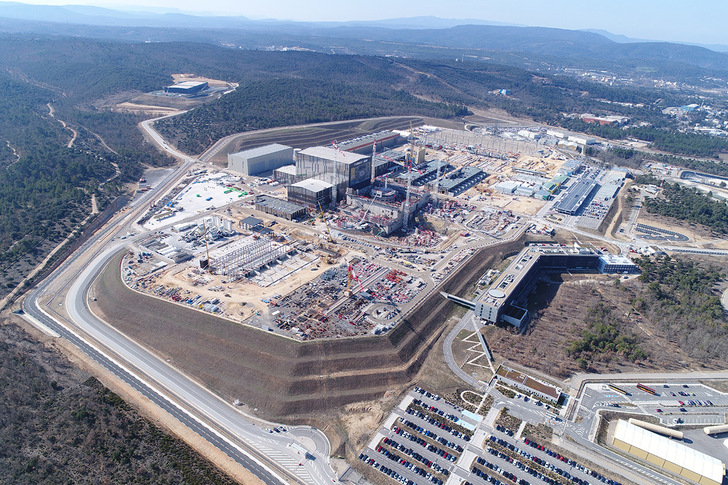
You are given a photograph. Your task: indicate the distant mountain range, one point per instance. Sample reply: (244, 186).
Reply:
(529, 47)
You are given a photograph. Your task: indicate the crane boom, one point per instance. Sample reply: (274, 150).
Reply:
(328, 229)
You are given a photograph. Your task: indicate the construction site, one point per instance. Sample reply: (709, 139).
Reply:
(333, 243)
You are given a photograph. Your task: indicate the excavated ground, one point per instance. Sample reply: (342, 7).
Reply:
(281, 377)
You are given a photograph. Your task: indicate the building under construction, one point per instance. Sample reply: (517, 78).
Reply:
(244, 257)
(381, 210)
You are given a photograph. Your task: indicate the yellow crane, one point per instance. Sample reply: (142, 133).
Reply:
(328, 229)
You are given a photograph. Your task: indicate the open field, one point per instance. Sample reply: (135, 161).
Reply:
(308, 136)
(280, 377)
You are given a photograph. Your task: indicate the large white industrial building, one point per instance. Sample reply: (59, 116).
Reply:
(261, 159)
(668, 454)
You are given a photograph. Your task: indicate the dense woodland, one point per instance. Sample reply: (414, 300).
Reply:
(688, 204)
(285, 102)
(61, 426)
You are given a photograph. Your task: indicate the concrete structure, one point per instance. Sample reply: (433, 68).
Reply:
(280, 208)
(582, 140)
(667, 454)
(427, 172)
(261, 159)
(536, 387)
(507, 187)
(577, 194)
(384, 208)
(612, 263)
(187, 87)
(530, 135)
(500, 301)
(339, 168)
(364, 144)
(461, 180)
(311, 193)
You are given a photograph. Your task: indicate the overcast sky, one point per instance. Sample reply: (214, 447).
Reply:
(698, 21)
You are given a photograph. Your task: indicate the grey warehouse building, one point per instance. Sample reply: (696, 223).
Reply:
(187, 87)
(345, 169)
(280, 208)
(261, 159)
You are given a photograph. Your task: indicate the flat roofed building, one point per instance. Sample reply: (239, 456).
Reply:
(351, 169)
(311, 193)
(187, 87)
(575, 197)
(670, 455)
(261, 159)
(612, 263)
(280, 208)
(493, 305)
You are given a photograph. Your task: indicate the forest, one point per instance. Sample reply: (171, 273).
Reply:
(604, 339)
(679, 295)
(688, 204)
(59, 425)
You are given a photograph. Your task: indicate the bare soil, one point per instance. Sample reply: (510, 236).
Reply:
(558, 305)
(280, 377)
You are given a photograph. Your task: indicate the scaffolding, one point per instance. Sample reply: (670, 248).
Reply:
(248, 258)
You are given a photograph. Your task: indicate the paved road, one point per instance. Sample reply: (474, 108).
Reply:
(275, 457)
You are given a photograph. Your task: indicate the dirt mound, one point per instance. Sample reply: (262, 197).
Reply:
(279, 376)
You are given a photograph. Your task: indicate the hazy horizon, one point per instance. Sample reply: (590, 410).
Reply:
(666, 20)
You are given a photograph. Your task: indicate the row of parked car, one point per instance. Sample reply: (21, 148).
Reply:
(387, 471)
(573, 463)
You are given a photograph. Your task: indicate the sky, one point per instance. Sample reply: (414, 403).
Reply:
(697, 21)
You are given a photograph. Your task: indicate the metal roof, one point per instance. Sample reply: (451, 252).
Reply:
(333, 154)
(669, 450)
(313, 185)
(289, 169)
(264, 150)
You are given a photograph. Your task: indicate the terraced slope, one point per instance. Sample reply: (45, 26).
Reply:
(279, 376)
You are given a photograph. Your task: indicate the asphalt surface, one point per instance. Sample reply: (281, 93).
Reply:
(299, 454)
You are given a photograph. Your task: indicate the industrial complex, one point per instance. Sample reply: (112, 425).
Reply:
(346, 245)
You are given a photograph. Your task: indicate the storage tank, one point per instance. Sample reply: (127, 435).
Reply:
(721, 428)
(671, 433)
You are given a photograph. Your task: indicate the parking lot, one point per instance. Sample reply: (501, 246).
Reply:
(673, 404)
(429, 440)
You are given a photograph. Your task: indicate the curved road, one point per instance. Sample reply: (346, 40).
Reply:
(274, 457)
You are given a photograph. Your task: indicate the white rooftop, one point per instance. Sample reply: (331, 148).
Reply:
(264, 150)
(333, 154)
(289, 169)
(188, 84)
(669, 450)
(313, 185)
